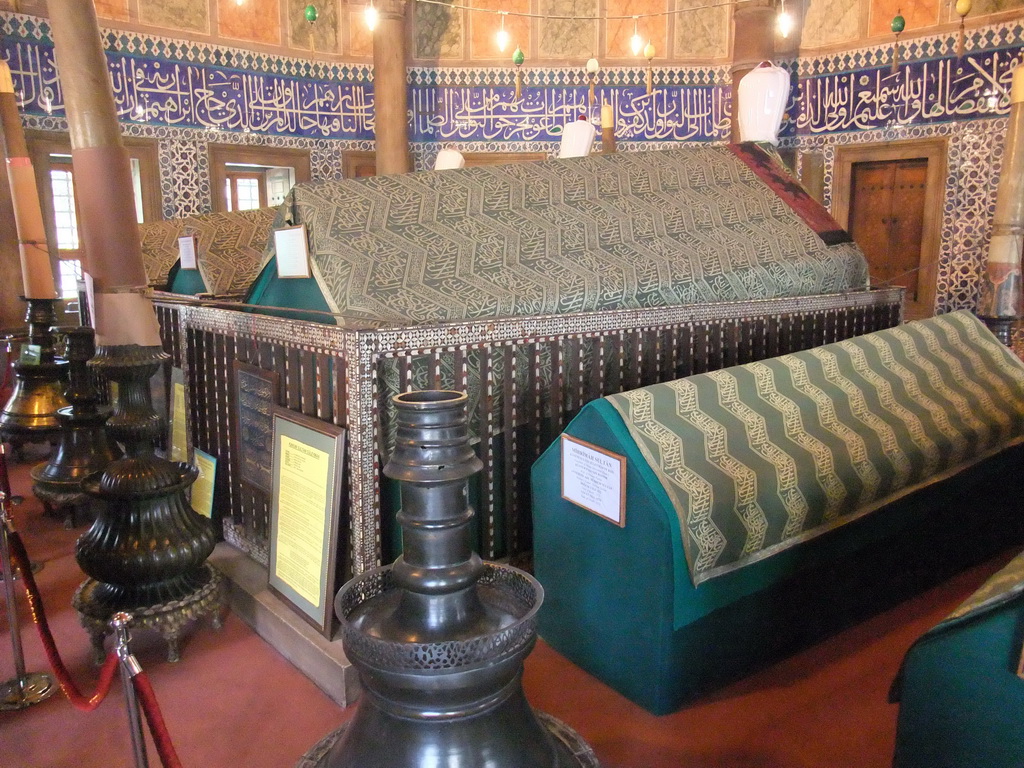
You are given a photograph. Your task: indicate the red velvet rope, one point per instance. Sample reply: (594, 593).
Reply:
(20, 561)
(157, 727)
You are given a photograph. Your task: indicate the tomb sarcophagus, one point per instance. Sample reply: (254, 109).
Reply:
(535, 288)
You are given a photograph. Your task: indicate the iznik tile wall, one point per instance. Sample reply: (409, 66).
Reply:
(187, 95)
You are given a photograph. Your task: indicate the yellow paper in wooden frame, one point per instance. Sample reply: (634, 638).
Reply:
(594, 478)
(291, 248)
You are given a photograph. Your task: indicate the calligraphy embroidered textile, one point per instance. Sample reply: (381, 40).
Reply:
(759, 457)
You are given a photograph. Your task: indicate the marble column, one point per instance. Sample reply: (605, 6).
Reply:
(1000, 302)
(34, 254)
(11, 310)
(753, 42)
(122, 313)
(391, 123)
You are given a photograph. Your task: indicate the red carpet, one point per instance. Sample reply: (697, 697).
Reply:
(233, 701)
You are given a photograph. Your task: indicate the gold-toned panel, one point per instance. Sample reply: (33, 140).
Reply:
(702, 33)
(360, 38)
(437, 32)
(917, 13)
(483, 29)
(319, 36)
(984, 7)
(256, 20)
(652, 29)
(189, 15)
(573, 36)
(829, 22)
(112, 9)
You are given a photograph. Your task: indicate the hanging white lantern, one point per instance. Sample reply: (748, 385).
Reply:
(577, 139)
(763, 93)
(448, 159)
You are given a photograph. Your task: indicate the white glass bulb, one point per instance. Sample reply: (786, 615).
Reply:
(785, 23)
(371, 17)
(502, 39)
(636, 44)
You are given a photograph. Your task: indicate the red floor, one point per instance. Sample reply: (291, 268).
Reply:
(232, 701)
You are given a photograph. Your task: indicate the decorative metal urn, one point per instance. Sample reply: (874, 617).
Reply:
(30, 413)
(145, 553)
(439, 637)
(83, 447)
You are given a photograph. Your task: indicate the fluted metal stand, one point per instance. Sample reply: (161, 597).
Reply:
(30, 414)
(83, 447)
(145, 553)
(439, 637)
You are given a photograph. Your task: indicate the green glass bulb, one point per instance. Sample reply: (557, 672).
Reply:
(311, 13)
(518, 57)
(898, 24)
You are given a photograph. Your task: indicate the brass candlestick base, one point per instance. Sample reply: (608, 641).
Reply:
(23, 692)
(83, 447)
(30, 414)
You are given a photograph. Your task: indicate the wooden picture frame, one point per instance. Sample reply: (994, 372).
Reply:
(256, 393)
(594, 478)
(177, 437)
(304, 511)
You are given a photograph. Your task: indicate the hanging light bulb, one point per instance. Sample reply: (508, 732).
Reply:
(636, 43)
(784, 21)
(371, 17)
(502, 38)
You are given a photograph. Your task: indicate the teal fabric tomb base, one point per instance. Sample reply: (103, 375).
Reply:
(619, 601)
(299, 293)
(188, 282)
(962, 701)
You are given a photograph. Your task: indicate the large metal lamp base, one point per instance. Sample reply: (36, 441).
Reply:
(572, 749)
(169, 618)
(21, 693)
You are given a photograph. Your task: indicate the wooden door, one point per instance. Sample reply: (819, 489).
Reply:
(887, 210)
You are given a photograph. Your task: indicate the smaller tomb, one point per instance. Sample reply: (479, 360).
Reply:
(229, 251)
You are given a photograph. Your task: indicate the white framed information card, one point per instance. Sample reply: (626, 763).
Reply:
(187, 252)
(594, 479)
(292, 251)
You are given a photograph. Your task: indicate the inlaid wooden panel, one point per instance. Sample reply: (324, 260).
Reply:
(619, 32)
(255, 20)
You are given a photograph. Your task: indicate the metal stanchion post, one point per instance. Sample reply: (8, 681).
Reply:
(25, 689)
(12, 500)
(129, 669)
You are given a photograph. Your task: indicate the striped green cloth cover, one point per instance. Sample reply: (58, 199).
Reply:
(759, 457)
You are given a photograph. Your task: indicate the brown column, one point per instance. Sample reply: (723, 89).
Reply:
(110, 233)
(390, 110)
(753, 41)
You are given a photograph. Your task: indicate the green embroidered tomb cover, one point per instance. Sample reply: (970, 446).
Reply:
(631, 230)
(762, 456)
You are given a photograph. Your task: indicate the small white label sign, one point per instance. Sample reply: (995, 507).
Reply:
(594, 479)
(187, 252)
(292, 251)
